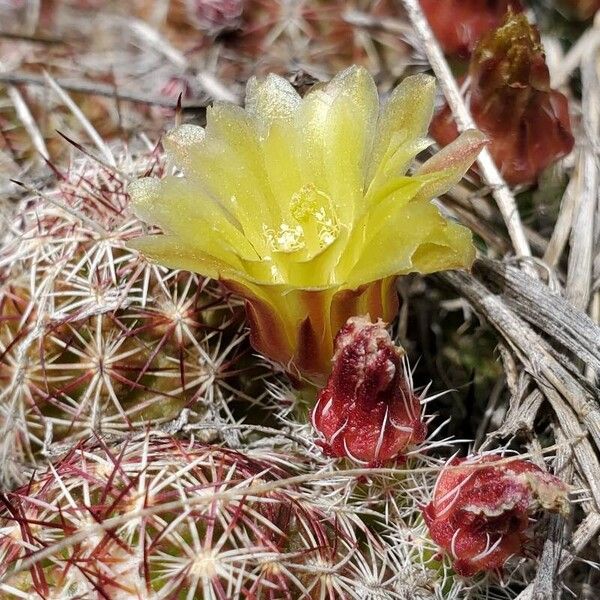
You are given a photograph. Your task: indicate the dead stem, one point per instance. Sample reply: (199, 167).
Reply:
(95, 88)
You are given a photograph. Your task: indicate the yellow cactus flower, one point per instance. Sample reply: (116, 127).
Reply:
(303, 206)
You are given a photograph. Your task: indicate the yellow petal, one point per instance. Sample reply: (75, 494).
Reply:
(271, 99)
(228, 165)
(392, 251)
(182, 142)
(171, 252)
(446, 168)
(280, 148)
(184, 210)
(272, 102)
(404, 118)
(350, 124)
(310, 124)
(389, 211)
(381, 214)
(391, 173)
(452, 250)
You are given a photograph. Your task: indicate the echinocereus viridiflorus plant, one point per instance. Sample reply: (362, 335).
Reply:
(93, 338)
(160, 518)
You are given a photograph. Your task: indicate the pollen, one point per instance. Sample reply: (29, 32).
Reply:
(303, 202)
(287, 238)
(328, 230)
(312, 208)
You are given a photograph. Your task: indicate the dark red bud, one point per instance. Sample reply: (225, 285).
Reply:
(368, 410)
(480, 511)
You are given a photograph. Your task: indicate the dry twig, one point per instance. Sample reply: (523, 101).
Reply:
(95, 88)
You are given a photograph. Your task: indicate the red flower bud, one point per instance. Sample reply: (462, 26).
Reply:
(368, 410)
(480, 514)
(459, 24)
(512, 103)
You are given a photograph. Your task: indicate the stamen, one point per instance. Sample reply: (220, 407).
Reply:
(286, 239)
(312, 207)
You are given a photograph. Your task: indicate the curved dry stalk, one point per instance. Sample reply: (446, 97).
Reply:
(579, 274)
(95, 88)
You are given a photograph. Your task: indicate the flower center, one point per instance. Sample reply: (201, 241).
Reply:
(288, 238)
(312, 224)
